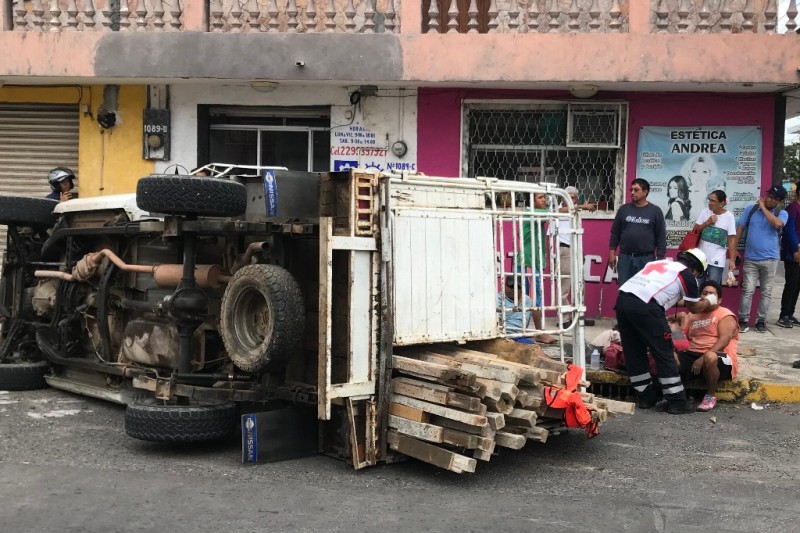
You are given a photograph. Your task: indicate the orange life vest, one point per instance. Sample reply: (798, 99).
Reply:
(575, 413)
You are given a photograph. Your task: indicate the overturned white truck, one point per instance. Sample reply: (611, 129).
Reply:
(261, 287)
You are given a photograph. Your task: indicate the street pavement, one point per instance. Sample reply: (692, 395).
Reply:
(67, 466)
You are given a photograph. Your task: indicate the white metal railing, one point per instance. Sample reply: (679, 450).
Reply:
(97, 15)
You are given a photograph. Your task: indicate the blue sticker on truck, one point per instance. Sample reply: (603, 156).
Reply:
(271, 193)
(249, 439)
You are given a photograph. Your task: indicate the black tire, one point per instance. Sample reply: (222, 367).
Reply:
(153, 421)
(191, 195)
(23, 375)
(27, 211)
(263, 318)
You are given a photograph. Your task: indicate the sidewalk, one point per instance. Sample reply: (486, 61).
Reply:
(765, 359)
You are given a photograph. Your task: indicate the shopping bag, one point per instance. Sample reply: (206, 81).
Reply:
(689, 241)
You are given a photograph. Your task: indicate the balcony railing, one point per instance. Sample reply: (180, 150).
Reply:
(102, 15)
(383, 16)
(304, 16)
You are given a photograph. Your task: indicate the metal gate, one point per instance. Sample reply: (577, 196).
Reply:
(34, 138)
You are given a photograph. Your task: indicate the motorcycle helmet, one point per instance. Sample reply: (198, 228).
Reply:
(59, 174)
(694, 258)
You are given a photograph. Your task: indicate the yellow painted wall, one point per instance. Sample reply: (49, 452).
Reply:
(110, 161)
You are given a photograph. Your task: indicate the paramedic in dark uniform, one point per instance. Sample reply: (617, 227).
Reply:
(641, 317)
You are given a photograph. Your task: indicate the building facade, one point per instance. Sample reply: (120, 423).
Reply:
(591, 93)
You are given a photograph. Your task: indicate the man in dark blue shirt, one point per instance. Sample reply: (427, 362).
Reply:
(640, 232)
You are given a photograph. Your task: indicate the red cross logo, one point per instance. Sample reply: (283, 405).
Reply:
(658, 266)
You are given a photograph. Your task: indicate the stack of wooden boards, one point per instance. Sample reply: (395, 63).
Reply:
(451, 406)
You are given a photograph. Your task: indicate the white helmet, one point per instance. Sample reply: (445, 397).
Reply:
(59, 174)
(696, 256)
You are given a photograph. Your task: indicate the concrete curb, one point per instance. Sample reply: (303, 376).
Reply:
(740, 390)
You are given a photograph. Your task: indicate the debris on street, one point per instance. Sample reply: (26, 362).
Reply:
(452, 406)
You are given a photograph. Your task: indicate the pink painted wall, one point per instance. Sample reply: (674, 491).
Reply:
(439, 138)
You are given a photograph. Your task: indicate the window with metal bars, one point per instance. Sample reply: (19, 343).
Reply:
(580, 144)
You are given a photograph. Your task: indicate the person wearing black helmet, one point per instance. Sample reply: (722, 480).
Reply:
(62, 181)
(642, 323)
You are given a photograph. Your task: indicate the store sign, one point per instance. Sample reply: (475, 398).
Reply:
(357, 146)
(684, 165)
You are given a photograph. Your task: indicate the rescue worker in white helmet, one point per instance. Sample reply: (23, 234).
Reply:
(62, 181)
(641, 317)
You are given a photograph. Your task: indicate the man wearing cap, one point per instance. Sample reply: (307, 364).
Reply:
(763, 222)
(641, 318)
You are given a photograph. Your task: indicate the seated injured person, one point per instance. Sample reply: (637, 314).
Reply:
(713, 336)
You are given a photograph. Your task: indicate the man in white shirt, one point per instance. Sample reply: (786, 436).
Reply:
(565, 248)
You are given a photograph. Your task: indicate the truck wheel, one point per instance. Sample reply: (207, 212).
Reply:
(191, 195)
(263, 318)
(154, 421)
(23, 375)
(27, 211)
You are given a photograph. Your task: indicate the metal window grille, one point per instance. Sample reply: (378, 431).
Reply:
(579, 144)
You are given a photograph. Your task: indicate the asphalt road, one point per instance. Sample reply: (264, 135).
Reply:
(79, 472)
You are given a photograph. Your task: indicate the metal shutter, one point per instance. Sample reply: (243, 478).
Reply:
(34, 138)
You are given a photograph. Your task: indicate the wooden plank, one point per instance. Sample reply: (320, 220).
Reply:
(325, 320)
(526, 372)
(551, 377)
(440, 410)
(497, 390)
(615, 407)
(538, 434)
(459, 438)
(432, 369)
(510, 440)
(418, 430)
(546, 363)
(520, 418)
(431, 453)
(521, 399)
(598, 415)
(498, 406)
(472, 390)
(508, 350)
(435, 393)
(410, 413)
(481, 371)
(485, 453)
(482, 431)
(496, 421)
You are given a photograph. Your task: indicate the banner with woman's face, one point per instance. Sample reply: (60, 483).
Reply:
(685, 164)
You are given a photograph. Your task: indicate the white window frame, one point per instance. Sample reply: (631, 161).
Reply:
(505, 104)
